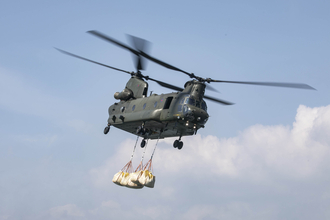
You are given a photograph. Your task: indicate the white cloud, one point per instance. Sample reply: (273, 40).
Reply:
(256, 153)
(259, 151)
(66, 211)
(262, 162)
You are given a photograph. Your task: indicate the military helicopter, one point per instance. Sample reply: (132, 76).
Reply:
(176, 114)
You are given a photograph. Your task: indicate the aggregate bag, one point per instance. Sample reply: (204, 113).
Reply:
(117, 178)
(131, 184)
(150, 180)
(125, 179)
(142, 177)
(135, 176)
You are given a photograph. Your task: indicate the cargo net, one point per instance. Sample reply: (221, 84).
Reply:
(141, 177)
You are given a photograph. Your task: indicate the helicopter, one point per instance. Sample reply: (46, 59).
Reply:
(177, 114)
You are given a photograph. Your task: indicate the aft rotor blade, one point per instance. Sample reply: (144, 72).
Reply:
(139, 44)
(166, 85)
(276, 84)
(111, 40)
(218, 100)
(92, 61)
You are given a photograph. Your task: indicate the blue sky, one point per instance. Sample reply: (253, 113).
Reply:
(266, 157)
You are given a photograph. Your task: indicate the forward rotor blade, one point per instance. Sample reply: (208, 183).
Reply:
(169, 86)
(276, 84)
(166, 85)
(210, 88)
(218, 100)
(92, 61)
(164, 64)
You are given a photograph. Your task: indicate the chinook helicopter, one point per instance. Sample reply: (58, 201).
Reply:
(176, 114)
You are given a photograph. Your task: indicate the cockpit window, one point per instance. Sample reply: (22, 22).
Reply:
(198, 104)
(182, 101)
(204, 107)
(190, 101)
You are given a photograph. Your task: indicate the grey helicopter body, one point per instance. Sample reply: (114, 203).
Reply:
(173, 114)
(176, 114)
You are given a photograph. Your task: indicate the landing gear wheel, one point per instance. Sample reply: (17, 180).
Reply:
(106, 130)
(176, 143)
(180, 145)
(143, 143)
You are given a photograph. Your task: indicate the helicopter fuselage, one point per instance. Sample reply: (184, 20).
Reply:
(166, 115)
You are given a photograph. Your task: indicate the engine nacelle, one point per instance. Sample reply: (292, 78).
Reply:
(125, 95)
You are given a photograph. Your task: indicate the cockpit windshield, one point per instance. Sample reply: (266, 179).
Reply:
(194, 102)
(204, 106)
(190, 101)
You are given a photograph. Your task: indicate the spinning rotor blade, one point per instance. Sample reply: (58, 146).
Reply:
(210, 88)
(276, 84)
(138, 64)
(169, 86)
(140, 45)
(166, 85)
(218, 100)
(165, 64)
(79, 57)
(104, 37)
(137, 53)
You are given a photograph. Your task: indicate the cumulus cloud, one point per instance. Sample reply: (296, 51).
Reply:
(257, 153)
(231, 178)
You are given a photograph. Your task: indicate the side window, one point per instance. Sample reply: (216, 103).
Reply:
(179, 108)
(133, 107)
(144, 106)
(168, 102)
(155, 105)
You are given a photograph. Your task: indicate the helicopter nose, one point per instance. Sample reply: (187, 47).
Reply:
(197, 116)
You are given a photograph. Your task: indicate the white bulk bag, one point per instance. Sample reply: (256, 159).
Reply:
(135, 176)
(142, 178)
(150, 180)
(125, 178)
(131, 184)
(117, 177)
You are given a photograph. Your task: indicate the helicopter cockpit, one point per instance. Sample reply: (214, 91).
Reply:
(189, 100)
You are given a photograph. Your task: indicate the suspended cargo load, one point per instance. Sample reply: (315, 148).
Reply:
(120, 177)
(141, 177)
(138, 171)
(145, 177)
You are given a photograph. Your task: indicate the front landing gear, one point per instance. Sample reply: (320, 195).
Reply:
(178, 144)
(143, 143)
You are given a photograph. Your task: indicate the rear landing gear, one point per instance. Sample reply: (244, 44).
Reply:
(106, 129)
(178, 144)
